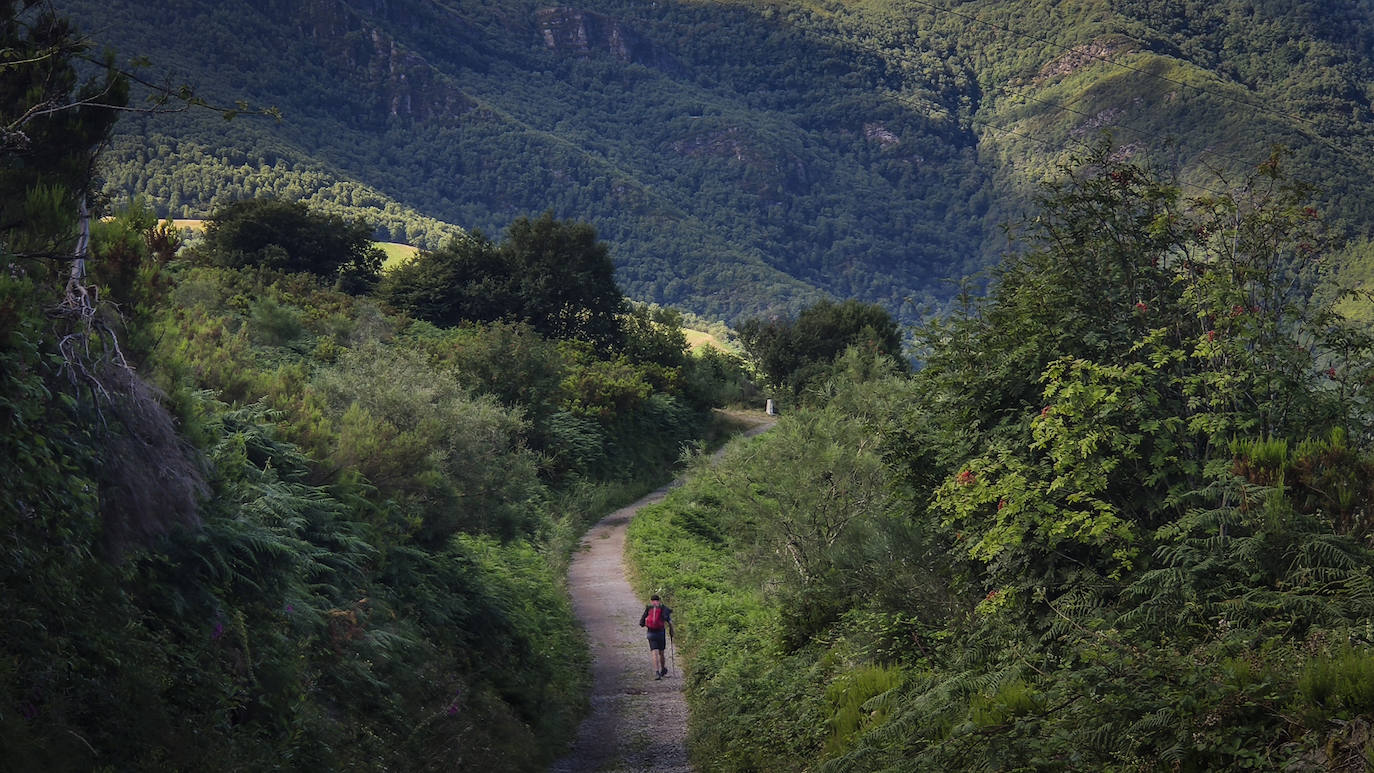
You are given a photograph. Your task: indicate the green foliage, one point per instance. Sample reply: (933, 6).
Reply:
(274, 324)
(1115, 522)
(453, 461)
(51, 121)
(368, 572)
(858, 702)
(752, 707)
(553, 276)
(778, 562)
(565, 278)
(121, 246)
(713, 377)
(1340, 684)
(289, 236)
(1150, 352)
(463, 281)
(794, 354)
(654, 336)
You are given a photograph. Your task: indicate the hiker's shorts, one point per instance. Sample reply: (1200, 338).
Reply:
(658, 640)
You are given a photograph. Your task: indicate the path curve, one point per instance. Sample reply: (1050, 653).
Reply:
(636, 723)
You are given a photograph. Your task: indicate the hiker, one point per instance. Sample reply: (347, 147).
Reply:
(658, 620)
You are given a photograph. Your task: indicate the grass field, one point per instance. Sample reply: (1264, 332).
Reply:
(697, 339)
(396, 254)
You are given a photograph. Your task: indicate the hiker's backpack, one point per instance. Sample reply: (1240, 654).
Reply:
(654, 620)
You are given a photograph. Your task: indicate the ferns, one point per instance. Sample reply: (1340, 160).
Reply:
(860, 699)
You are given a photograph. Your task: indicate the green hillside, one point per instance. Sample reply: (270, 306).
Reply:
(744, 156)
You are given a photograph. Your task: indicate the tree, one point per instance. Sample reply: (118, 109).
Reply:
(291, 237)
(553, 276)
(795, 353)
(565, 278)
(654, 336)
(1149, 359)
(465, 280)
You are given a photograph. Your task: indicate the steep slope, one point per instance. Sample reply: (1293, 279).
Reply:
(740, 157)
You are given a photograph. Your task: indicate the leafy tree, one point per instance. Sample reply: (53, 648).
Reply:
(794, 354)
(465, 280)
(291, 237)
(1117, 360)
(654, 337)
(565, 278)
(551, 275)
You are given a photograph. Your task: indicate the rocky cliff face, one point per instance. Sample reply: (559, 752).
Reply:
(408, 85)
(404, 84)
(578, 33)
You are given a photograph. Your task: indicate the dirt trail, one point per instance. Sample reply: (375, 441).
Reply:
(636, 723)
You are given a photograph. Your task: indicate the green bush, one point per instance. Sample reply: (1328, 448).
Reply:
(856, 700)
(289, 236)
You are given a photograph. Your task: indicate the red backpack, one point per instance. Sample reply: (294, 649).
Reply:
(654, 621)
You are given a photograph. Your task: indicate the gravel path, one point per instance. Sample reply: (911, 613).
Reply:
(636, 723)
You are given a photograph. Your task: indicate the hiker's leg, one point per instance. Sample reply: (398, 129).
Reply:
(656, 644)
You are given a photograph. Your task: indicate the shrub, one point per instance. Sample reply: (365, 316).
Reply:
(288, 236)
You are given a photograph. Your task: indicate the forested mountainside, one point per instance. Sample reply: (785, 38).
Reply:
(740, 157)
